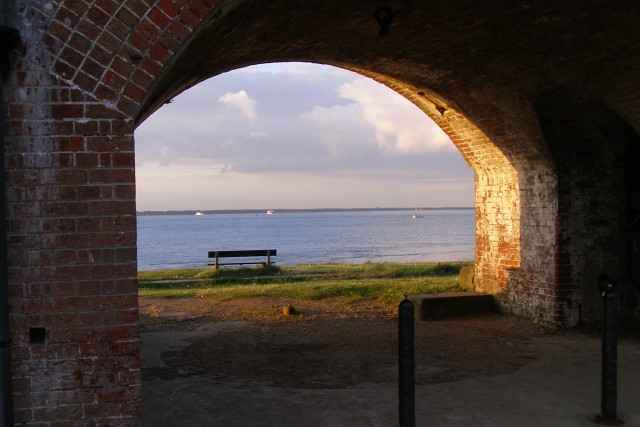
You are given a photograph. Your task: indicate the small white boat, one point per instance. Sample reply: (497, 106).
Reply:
(417, 214)
(199, 213)
(269, 212)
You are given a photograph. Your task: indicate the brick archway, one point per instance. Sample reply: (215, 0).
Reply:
(86, 72)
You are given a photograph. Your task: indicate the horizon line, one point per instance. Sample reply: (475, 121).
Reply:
(293, 210)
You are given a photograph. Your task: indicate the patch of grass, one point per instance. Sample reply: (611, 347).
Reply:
(182, 273)
(384, 282)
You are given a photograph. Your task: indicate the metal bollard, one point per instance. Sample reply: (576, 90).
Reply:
(406, 352)
(608, 392)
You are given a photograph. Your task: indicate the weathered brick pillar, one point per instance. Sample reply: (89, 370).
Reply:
(72, 242)
(532, 289)
(497, 229)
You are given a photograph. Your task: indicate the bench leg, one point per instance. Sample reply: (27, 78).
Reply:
(268, 261)
(215, 265)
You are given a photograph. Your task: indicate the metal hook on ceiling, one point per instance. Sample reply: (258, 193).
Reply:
(384, 16)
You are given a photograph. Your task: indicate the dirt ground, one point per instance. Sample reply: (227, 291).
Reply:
(327, 344)
(328, 363)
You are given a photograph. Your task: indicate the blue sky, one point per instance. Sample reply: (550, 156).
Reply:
(295, 135)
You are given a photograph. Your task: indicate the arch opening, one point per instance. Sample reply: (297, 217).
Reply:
(496, 184)
(491, 152)
(315, 138)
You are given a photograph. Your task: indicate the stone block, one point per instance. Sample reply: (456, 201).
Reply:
(451, 304)
(466, 278)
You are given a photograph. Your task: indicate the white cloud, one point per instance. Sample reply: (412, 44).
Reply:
(239, 101)
(340, 130)
(400, 127)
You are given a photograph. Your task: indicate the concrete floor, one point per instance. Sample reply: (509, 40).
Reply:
(561, 387)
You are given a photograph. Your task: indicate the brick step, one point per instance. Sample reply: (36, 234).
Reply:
(451, 304)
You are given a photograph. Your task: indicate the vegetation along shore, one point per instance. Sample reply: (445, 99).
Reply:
(383, 282)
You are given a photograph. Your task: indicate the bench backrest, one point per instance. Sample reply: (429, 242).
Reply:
(253, 252)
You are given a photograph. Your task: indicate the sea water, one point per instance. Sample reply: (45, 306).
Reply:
(181, 241)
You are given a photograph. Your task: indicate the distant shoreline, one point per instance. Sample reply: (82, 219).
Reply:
(254, 211)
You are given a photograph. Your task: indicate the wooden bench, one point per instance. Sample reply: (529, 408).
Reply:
(268, 253)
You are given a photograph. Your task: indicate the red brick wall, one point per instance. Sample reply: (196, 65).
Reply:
(72, 255)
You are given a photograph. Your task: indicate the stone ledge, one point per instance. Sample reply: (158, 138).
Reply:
(450, 304)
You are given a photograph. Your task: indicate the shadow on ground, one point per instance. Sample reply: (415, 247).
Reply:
(245, 363)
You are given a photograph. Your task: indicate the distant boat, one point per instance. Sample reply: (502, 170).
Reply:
(199, 213)
(269, 212)
(417, 214)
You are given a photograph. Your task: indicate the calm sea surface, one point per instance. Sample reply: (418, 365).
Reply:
(178, 241)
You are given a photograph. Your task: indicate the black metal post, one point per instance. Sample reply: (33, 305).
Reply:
(608, 395)
(406, 351)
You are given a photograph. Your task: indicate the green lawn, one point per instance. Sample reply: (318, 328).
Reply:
(384, 282)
